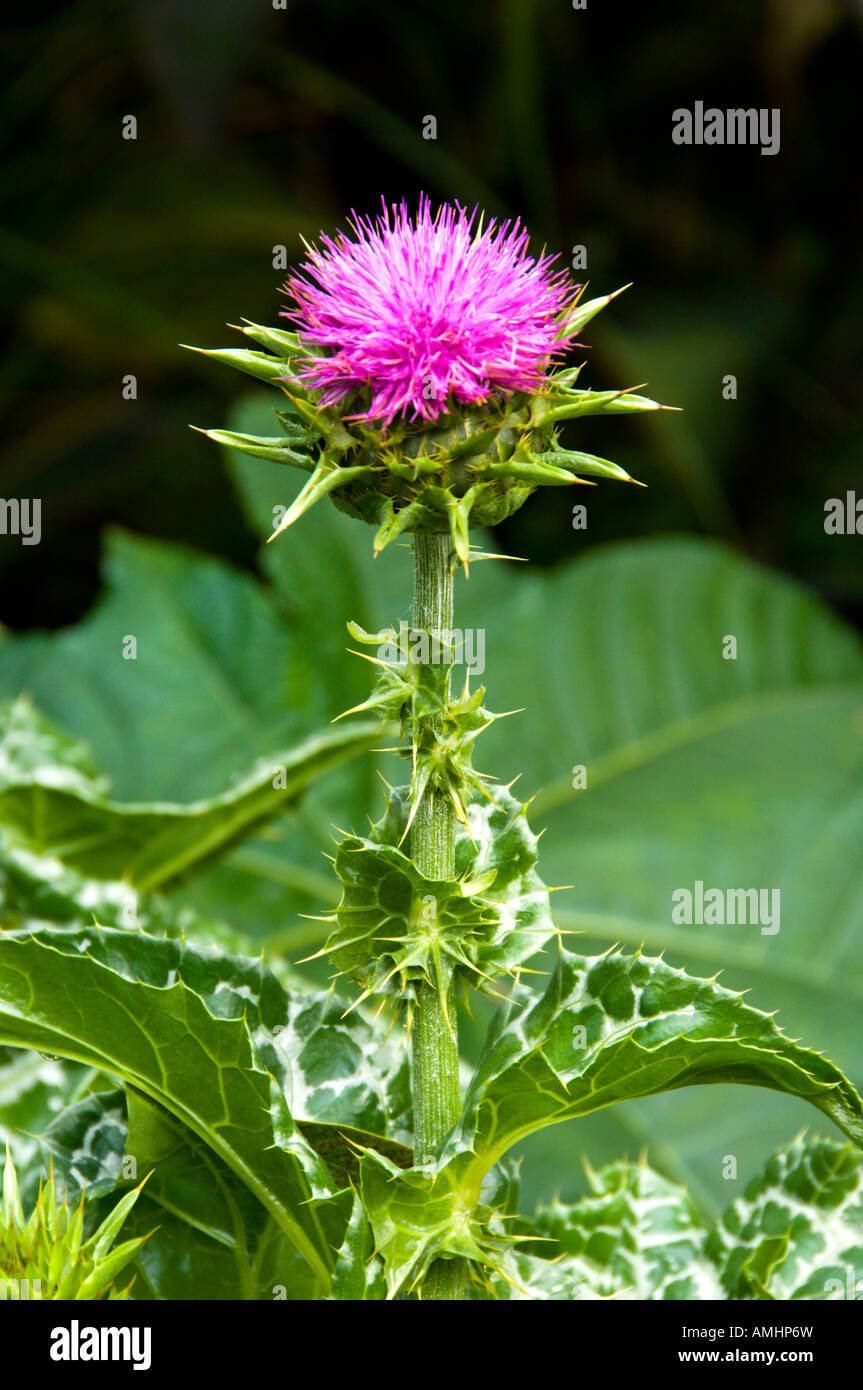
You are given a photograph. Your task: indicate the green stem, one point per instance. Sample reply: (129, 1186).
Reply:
(435, 1035)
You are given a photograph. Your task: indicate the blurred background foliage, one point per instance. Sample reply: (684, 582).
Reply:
(257, 126)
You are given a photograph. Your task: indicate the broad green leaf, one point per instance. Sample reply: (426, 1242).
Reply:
(797, 1232)
(218, 679)
(281, 1275)
(226, 672)
(736, 773)
(207, 1227)
(341, 1071)
(208, 1223)
(188, 1179)
(50, 807)
(178, 1025)
(179, 1262)
(211, 1213)
(113, 1137)
(39, 888)
(331, 1083)
(612, 1028)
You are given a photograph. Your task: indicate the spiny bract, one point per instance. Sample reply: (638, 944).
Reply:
(45, 1256)
(420, 387)
(394, 927)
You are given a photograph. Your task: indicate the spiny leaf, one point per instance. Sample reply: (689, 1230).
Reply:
(282, 343)
(636, 1235)
(419, 1216)
(325, 479)
(578, 403)
(581, 314)
(359, 1272)
(589, 464)
(391, 919)
(797, 1232)
(616, 1027)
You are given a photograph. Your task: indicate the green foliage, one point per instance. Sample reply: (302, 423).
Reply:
(635, 1235)
(418, 1217)
(221, 681)
(274, 1120)
(222, 1067)
(51, 805)
(438, 729)
(615, 1027)
(171, 1023)
(796, 1234)
(798, 1230)
(395, 926)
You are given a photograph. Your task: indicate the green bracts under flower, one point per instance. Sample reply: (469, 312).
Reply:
(470, 467)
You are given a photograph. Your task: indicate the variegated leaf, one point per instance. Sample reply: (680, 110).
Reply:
(615, 1027)
(797, 1232)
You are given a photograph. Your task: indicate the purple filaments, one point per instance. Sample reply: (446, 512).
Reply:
(427, 313)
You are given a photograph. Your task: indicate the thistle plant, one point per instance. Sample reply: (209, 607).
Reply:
(327, 1143)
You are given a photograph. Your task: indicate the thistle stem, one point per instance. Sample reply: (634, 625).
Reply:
(435, 1032)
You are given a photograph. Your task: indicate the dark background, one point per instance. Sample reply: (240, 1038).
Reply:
(257, 125)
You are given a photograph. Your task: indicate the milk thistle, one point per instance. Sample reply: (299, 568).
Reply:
(425, 396)
(295, 1146)
(424, 392)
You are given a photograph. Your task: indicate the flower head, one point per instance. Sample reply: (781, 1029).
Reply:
(419, 385)
(427, 312)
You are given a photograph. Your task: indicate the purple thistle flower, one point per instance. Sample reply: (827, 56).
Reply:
(427, 313)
